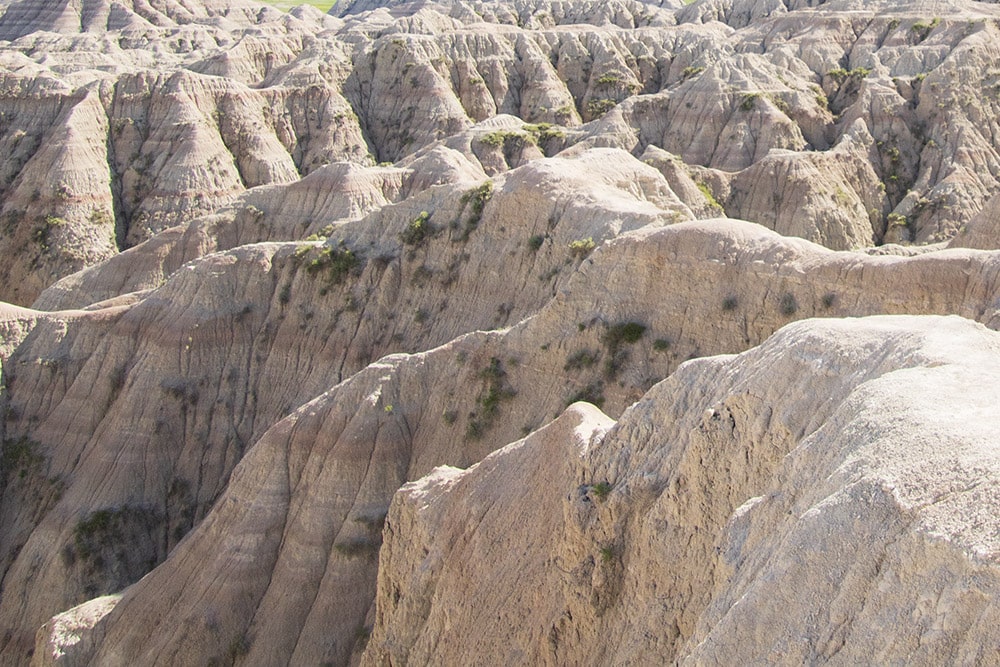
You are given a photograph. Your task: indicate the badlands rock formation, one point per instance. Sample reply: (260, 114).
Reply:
(814, 499)
(266, 269)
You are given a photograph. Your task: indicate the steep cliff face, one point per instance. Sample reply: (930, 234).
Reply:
(316, 206)
(189, 376)
(283, 264)
(116, 138)
(23, 18)
(607, 337)
(786, 505)
(869, 97)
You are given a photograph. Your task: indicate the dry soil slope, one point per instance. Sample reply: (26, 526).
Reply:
(172, 385)
(303, 510)
(122, 423)
(847, 125)
(113, 135)
(828, 496)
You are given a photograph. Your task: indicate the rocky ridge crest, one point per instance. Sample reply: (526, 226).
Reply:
(305, 260)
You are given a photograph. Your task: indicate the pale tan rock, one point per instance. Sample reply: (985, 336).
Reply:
(60, 638)
(982, 230)
(315, 205)
(58, 212)
(149, 373)
(847, 211)
(569, 64)
(143, 405)
(411, 413)
(838, 515)
(22, 18)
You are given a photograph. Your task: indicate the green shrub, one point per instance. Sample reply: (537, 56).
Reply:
(494, 139)
(564, 113)
(544, 132)
(821, 101)
(535, 242)
(238, 647)
(789, 306)
(897, 219)
(580, 360)
(581, 247)
(922, 30)
(749, 101)
(504, 137)
(624, 332)
(840, 75)
(476, 199)
(600, 490)
(707, 192)
(730, 303)
(661, 344)
(21, 456)
(495, 390)
(593, 393)
(475, 428)
(618, 335)
(109, 529)
(338, 262)
(779, 103)
(418, 231)
(598, 107)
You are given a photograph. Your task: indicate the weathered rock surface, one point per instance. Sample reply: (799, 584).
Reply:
(249, 329)
(316, 205)
(248, 96)
(353, 446)
(789, 505)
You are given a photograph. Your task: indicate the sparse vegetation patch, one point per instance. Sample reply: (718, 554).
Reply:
(335, 262)
(600, 490)
(475, 200)
(581, 247)
(580, 360)
(598, 107)
(418, 231)
(615, 339)
(788, 305)
(20, 456)
(593, 393)
(496, 390)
